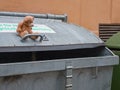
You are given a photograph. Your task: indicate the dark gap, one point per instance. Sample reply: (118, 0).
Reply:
(12, 57)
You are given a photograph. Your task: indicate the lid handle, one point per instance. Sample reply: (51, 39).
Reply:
(42, 37)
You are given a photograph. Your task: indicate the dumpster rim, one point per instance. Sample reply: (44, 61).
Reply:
(49, 47)
(8, 69)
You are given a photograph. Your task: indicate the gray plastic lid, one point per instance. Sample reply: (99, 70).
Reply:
(66, 36)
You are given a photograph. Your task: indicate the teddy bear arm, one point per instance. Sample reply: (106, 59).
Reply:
(19, 28)
(30, 31)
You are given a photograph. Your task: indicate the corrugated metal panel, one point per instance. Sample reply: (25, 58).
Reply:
(107, 30)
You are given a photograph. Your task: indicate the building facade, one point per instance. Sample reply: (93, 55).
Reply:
(86, 13)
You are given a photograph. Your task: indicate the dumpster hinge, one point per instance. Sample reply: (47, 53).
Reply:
(69, 76)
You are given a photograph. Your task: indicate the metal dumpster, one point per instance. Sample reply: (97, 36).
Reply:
(114, 44)
(71, 58)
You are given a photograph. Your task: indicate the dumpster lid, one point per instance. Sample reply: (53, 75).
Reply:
(114, 41)
(63, 36)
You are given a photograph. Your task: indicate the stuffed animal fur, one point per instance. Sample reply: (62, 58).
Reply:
(25, 27)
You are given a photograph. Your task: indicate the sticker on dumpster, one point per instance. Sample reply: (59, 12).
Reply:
(11, 27)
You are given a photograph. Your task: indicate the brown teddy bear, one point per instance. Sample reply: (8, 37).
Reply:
(25, 27)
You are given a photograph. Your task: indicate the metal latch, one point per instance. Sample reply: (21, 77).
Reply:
(95, 72)
(42, 37)
(69, 76)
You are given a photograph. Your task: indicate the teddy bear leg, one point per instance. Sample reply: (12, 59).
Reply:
(22, 34)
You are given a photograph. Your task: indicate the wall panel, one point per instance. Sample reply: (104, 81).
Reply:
(115, 11)
(94, 12)
(70, 7)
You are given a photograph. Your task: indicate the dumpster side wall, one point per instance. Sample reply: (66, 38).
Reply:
(83, 79)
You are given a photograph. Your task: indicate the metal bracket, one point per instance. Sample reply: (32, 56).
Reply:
(95, 73)
(62, 17)
(69, 76)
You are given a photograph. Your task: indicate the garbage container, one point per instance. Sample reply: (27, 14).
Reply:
(114, 44)
(68, 58)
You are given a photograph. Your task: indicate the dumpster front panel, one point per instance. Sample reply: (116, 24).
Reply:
(83, 79)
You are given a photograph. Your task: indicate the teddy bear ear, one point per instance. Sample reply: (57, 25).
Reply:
(25, 19)
(28, 18)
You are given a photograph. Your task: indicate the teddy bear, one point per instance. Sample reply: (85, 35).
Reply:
(25, 27)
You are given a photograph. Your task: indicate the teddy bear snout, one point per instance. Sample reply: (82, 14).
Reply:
(31, 25)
